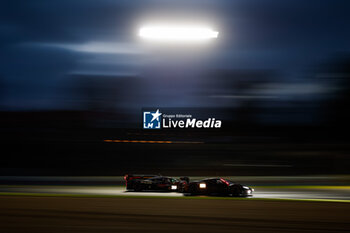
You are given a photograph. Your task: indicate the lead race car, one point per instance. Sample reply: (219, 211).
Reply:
(140, 183)
(216, 186)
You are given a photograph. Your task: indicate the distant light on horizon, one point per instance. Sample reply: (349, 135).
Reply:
(177, 33)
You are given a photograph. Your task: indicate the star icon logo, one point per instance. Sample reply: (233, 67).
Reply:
(156, 115)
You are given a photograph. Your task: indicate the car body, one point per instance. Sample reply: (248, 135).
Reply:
(216, 186)
(131, 179)
(140, 183)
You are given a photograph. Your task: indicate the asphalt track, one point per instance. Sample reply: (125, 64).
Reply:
(336, 193)
(99, 209)
(42, 214)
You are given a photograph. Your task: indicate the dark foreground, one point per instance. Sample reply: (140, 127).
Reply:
(77, 214)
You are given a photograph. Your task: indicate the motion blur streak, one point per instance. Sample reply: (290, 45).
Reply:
(75, 77)
(137, 141)
(177, 33)
(144, 141)
(67, 214)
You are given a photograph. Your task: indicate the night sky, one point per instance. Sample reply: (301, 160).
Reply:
(42, 43)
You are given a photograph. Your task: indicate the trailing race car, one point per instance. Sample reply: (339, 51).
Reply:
(130, 180)
(216, 186)
(152, 182)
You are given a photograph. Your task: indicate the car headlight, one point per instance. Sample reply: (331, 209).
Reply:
(202, 185)
(173, 187)
(249, 191)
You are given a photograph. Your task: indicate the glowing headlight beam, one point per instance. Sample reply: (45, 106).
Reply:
(168, 33)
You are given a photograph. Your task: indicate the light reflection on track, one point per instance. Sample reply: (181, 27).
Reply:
(335, 194)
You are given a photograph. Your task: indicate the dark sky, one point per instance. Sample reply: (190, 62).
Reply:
(43, 41)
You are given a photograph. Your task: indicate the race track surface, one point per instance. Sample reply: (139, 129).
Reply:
(38, 214)
(322, 193)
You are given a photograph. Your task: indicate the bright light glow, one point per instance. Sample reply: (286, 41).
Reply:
(202, 185)
(177, 33)
(173, 187)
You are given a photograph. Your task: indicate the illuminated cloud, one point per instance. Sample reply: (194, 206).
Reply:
(95, 47)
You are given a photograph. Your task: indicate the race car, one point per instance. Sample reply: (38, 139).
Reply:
(153, 182)
(216, 186)
(130, 180)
